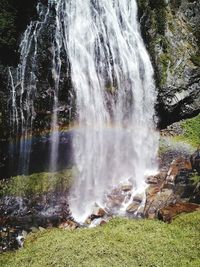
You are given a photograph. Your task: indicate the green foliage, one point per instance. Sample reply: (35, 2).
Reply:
(191, 131)
(161, 20)
(164, 60)
(121, 242)
(37, 183)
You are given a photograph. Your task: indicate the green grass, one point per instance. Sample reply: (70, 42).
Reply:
(36, 183)
(191, 129)
(121, 242)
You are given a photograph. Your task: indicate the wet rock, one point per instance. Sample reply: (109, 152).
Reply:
(133, 207)
(155, 179)
(172, 151)
(42, 210)
(115, 199)
(195, 161)
(167, 214)
(158, 201)
(103, 222)
(178, 165)
(98, 222)
(152, 180)
(195, 196)
(11, 238)
(126, 187)
(152, 190)
(68, 225)
(138, 198)
(98, 212)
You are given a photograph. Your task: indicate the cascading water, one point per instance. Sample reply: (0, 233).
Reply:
(25, 83)
(112, 78)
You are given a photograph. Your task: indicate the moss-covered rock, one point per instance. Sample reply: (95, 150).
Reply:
(38, 183)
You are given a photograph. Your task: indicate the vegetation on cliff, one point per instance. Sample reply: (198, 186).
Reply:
(191, 131)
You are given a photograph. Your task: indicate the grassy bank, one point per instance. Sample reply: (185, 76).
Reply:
(191, 131)
(121, 242)
(37, 183)
(187, 140)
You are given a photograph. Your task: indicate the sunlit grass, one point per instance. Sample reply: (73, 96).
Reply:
(121, 242)
(191, 129)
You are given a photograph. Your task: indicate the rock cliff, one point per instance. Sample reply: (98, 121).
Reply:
(172, 35)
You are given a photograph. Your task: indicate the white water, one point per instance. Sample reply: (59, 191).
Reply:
(113, 80)
(24, 86)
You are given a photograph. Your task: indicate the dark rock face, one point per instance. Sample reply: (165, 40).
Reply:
(15, 16)
(195, 159)
(19, 216)
(171, 32)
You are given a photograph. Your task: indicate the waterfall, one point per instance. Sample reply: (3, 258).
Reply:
(23, 85)
(115, 93)
(112, 77)
(26, 82)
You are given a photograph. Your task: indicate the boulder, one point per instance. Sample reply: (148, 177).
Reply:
(126, 187)
(167, 214)
(157, 201)
(138, 198)
(195, 161)
(68, 225)
(133, 207)
(115, 200)
(151, 180)
(155, 179)
(98, 212)
(178, 165)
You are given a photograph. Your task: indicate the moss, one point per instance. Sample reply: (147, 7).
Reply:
(121, 242)
(161, 20)
(37, 183)
(164, 60)
(142, 4)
